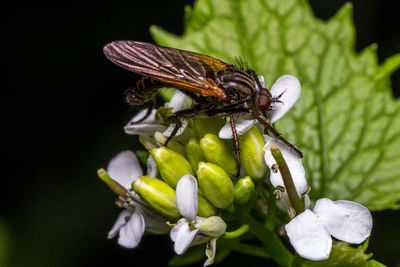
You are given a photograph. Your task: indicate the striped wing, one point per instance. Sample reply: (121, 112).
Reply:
(182, 69)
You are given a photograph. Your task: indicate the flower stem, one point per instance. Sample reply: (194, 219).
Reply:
(243, 248)
(114, 186)
(270, 220)
(236, 233)
(273, 245)
(287, 180)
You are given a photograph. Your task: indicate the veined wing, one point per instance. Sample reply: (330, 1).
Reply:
(182, 69)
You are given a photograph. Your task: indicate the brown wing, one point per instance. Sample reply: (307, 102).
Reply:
(182, 69)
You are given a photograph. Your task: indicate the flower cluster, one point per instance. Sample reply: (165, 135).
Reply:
(190, 189)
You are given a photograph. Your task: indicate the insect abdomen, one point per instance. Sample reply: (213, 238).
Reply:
(144, 91)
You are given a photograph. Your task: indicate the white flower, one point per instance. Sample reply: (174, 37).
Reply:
(192, 229)
(296, 169)
(310, 232)
(150, 125)
(136, 217)
(287, 88)
(293, 161)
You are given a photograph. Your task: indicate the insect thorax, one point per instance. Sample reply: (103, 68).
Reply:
(237, 84)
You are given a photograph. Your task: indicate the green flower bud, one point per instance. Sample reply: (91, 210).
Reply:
(148, 142)
(157, 194)
(203, 126)
(213, 226)
(252, 153)
(219, 152)
(244, 189)
(171, 165)
(193, 153)
(205, 208)
(174, 145)
(215, 185)
(113, 185)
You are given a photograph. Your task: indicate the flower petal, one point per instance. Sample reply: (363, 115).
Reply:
(146, 127)
(262, 82)
(131, 233)
(309, 237)
(293, 162)
(155, 223)
(184, 238)
(210, 251)
(344, 220)
(172, 126)
(174, 231)
(288, 88)
(186, 196)
(151, 167)
(121, 221)
(178, 102)
(242, 125)
(124, 168)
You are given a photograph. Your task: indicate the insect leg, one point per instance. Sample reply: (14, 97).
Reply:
(226, 112)
(235, 143)
(175, 118)
(276, 133)
(150, 106)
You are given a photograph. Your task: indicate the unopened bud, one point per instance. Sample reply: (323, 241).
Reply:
(193, 153)
(215, 185)
(203, 126)
(219, 152)
(171, 165)
(205, 208)
(157, 194)
(244, 189)
(213, 226)
(252, 153)
(176, 146)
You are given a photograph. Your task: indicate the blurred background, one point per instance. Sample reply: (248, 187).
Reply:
(64, 114)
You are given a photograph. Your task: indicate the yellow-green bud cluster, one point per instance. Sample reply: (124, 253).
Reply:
(212, 161)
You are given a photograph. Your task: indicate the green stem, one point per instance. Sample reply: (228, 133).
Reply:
(273, 245)
(270, 220)
(238, 232)
(243, 248)
(287, 180)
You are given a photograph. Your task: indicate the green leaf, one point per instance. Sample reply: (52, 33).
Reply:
(342, 254)
(346, 121)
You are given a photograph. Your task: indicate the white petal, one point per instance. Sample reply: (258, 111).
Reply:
(174, 231)
(186, 196)
(181, 129)
(124, 168)
(210, 251)
(309, 237)
(146, 127)
(242, 125)
(151, 167)
(155, 224)
(178, 102)
(121, 221)
(262, 82)
(293, 162)
(184, 238)
(131, 233)
(345, 220)
(289, 87)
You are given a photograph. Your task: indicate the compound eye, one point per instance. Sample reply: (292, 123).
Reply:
(264, 100)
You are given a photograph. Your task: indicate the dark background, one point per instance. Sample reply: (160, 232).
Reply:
(64, 111)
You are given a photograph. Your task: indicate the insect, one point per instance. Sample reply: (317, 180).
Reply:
(217, 88)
